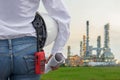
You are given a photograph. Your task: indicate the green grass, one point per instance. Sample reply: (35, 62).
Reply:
(84, 73)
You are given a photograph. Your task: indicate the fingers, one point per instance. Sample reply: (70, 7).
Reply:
(54, 68)
(48, 59)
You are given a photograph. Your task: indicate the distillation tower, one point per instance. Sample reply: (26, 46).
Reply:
(69, 52)
(67, 61)
(98, 46)
(107, 54)
(81, 48)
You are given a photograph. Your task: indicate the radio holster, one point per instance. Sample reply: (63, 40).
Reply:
(39, 25)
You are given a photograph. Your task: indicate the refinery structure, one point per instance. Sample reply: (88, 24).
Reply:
(103, 55)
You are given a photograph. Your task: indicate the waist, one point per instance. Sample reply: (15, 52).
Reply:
(10, 32)
(17, 41)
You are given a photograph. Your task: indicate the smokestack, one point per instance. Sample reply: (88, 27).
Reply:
(87, 41)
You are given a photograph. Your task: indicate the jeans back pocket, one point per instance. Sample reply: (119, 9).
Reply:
(30, 63)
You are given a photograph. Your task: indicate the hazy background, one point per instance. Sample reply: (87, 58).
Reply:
(98, 12)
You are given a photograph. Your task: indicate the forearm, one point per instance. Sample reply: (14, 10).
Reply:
(57, 10)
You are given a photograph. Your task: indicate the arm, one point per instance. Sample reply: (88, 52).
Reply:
(56, 9)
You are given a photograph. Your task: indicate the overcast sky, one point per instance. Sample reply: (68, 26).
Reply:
(99, 13)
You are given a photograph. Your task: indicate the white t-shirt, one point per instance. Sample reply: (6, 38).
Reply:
(16, 17)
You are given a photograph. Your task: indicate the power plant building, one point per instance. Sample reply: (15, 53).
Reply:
(103, 54)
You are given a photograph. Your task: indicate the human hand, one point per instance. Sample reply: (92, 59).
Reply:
(52, 67)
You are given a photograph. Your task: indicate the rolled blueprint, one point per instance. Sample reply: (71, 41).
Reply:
(55, 60)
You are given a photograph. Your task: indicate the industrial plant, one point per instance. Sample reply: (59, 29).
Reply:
(103, 56)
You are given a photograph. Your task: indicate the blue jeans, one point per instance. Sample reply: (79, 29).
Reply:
(17, 59)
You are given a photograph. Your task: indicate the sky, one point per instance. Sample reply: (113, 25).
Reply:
(99, 13)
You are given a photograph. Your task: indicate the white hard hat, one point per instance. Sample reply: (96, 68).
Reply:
(51, 28)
